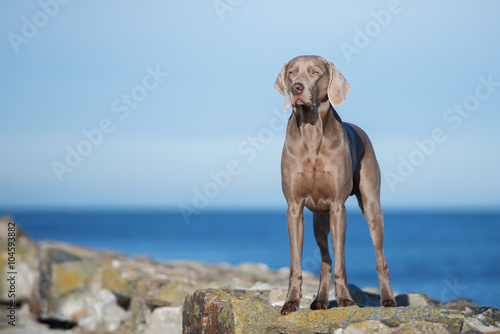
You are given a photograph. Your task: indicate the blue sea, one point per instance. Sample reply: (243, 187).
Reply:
(446, 255)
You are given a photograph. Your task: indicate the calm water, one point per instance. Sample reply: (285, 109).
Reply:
(446, 255)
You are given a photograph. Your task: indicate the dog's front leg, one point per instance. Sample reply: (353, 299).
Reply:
(338, 229)
(295, 225)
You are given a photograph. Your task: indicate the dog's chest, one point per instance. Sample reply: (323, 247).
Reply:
(317, 182)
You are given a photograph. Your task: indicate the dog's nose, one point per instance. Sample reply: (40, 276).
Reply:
(297, 88)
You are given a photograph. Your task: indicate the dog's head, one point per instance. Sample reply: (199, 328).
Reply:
(310, 80)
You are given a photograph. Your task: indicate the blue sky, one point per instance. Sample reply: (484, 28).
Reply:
(171, 104)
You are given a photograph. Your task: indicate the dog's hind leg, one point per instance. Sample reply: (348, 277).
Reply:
(368, 195)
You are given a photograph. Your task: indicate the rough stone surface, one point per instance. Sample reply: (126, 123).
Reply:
(328, 321)
(235, 311)
(166, 320)
(215, 311)
(68, 289)
(64, 279)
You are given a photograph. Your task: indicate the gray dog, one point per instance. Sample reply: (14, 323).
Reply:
(325, 161)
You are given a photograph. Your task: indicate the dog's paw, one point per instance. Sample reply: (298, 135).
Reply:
(289, 307)
(388, 302)
(346, 302)
(319, 305)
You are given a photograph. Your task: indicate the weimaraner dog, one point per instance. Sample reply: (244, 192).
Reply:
(325, 161)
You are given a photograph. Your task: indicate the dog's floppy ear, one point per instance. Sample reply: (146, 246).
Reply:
(338, 88)
(280, 86)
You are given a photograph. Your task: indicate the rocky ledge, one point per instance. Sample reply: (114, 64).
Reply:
(61, 288)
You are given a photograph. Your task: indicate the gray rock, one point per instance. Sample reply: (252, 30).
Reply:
(166, 320)
(64, 282)
(218, 311)
(87, 291)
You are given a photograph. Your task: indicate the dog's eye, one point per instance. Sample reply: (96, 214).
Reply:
(315, 72)
(290, 72)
